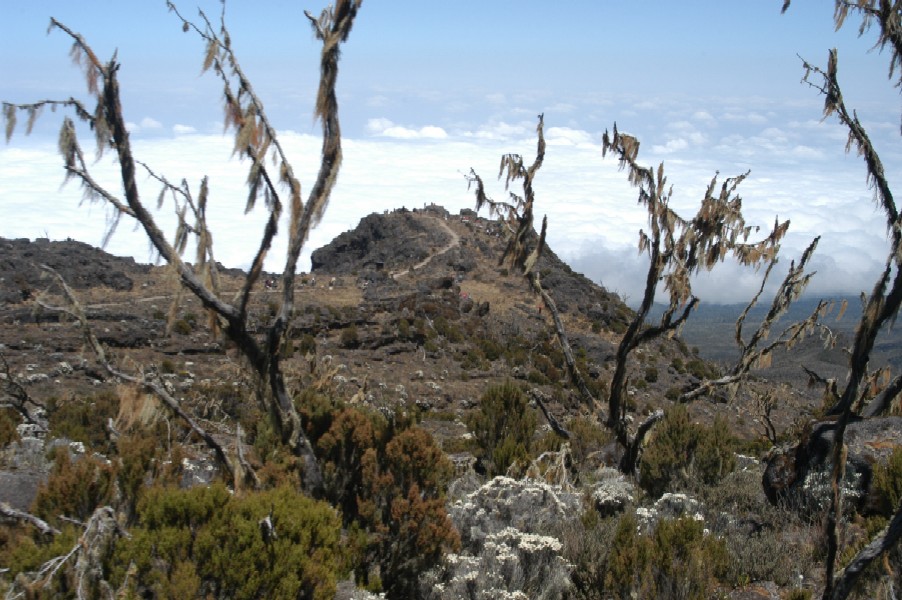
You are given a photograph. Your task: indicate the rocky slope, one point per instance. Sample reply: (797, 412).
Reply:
(410, 311)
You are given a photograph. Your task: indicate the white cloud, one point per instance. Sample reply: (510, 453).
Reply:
(179, 129)
(150, 123)
(565, 136)
(704, 116)
(377, 101)
(147, 123)
(672, 145)
(501, 131)
(561, 107)
(432, 132)
(384, 128)
(748, 117)
(589, 202)
(802, 151)
(377, 126)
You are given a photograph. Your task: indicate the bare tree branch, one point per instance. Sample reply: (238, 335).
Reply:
(885, 300)
(753, 353)
(75, 309)
(17, 394)
(256, 139)
(13, 513)
(883, 542)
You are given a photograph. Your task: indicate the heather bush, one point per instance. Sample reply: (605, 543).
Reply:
(24, 549)
(388, 477)
(8, 423)
(504, 426)
(83, 419)
(887, 483)
(675, 560)
(75, 487)
(349, 337)
(681, 452)
(205, 542)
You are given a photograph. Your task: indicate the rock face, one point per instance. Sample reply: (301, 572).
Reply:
(801, 473)
(81, 265)
(391, 241)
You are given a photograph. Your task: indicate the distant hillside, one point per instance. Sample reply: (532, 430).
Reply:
(712, 330)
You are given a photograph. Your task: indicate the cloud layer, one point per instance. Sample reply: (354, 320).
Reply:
(799, 173)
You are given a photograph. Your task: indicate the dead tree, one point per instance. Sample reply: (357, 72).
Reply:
(83, 562)
(881, 306)
(524, 248)
(256, 141)
(757, 352)
(677, 249)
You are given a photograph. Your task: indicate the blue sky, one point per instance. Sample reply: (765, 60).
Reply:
(428, 90)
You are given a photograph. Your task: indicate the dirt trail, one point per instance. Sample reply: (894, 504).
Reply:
(452, 243)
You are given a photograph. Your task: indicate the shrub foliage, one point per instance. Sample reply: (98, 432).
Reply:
(504, 426)
(682, 451)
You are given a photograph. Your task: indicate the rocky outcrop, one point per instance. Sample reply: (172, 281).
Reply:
(800, 474)
(81, 265)
(390, 241)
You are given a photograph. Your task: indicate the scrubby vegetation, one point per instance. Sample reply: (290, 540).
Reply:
(504, 426)
(681, 452)
(292, 474)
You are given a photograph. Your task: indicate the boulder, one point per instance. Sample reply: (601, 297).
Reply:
(800, 474)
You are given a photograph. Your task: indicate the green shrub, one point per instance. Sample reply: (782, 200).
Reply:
(448, 330)
(349, 337)
(536, 378)
(205, 542)
(618, 326)
(887, 483)
(681, 451)
(651, 374)
(389, 478)
(83, 419)
(673, 393)
(9, 420)
(74, 488)
(700, 369)
(307, 345)
(491, 349)
(676, 560)
(714, 452)
(23, 549)
(182, 327)
(504, 426)
(586, 436)
(403, 329)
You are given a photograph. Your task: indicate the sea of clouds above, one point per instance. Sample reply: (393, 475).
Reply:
(798, 172)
